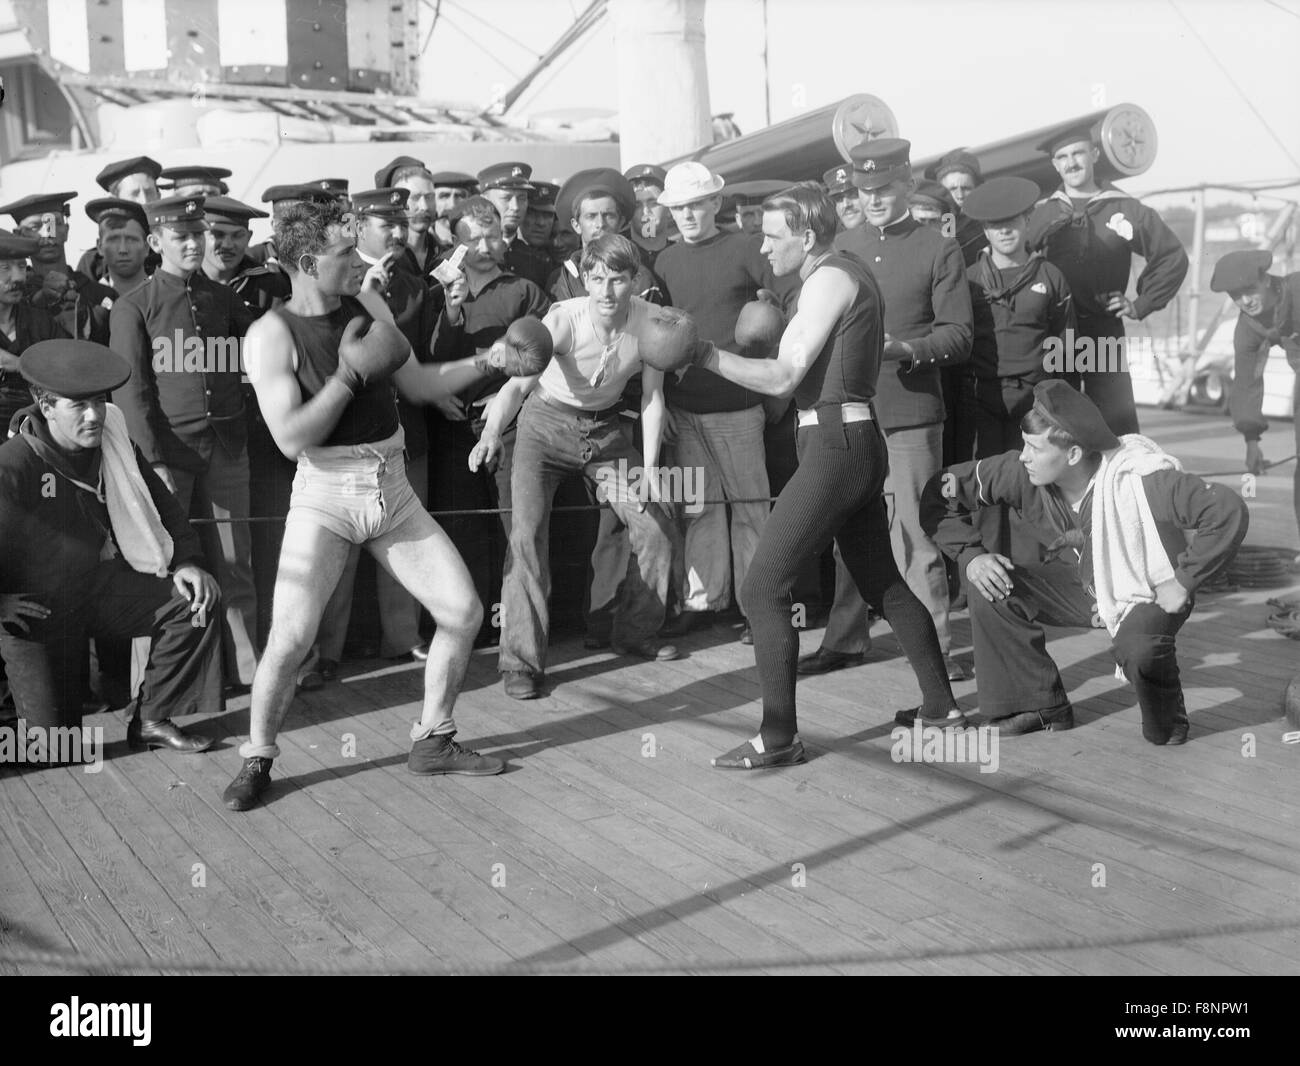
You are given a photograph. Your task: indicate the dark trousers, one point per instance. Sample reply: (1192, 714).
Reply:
(1017, 675)
(482, 540)
(1110, 390)
(835, 494)
(46, 674)
(996, 406)
(959, 427)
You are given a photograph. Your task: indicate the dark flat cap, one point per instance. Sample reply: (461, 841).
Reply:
(646, 173)
(838, 179)
(753, 193)
(507, 176)
(227, 209)
(878, 162)
(388, 203)
(1071, 411)
(282, 196)
(194, 175)
(600, 181)
(453, 179)
(77, 370)
(338, 186)
(115, 172)
(384, 175)
(112, 207)
(14, 247)
(957, 159)
(1240, 270)
(543, 197)
(1073, 134)
(934, 195)
(38, 204)
(1001, 198)
(185, 213)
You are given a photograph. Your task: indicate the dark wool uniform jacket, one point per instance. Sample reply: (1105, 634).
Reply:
(162, 408)
(1178, 502)
(260, 286)
(1015, 312)
(927, 303)
(1251, 342)
(53, 531)
(1092, 243)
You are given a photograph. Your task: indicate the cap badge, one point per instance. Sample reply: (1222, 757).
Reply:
(190, 207)
(869, 165)
(516, 172)
(839, 174)
(395, 198)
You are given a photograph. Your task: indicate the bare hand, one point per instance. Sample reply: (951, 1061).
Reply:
(200, 589)
(1255, 461)
(1119, 304)
(1171, 596)
(487, 452)
(452, 408)
(988, 574)
(376, 278)
(18, 606)
(899, 350)
(456, 293)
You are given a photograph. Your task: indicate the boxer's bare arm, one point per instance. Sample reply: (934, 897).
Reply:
(826, 295)
(295, 425)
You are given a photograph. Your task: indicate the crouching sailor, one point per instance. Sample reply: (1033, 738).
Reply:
(95, 546)
(1106, 518)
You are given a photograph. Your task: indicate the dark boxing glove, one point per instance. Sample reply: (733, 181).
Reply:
(369, 355)
(671, 340)
(524, 351)
(759, 328)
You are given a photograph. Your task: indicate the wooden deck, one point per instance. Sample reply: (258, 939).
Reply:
(610, 845)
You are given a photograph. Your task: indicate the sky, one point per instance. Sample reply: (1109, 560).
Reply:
(954, 73)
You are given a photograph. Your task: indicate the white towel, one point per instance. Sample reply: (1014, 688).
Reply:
(137, 527)
(1128, 558)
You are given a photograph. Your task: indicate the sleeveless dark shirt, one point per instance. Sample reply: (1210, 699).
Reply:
(846, 369)
(372, 414)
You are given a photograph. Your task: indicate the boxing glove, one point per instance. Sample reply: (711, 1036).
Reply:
(671, 340)
(525, 349)
(759, 328)
(370, 355)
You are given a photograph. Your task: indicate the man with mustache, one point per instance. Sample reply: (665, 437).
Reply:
(226, 259)
(95, 545)
(652, 227)
(1270, 315)
(21, 325)
(1090, 231)
(844, 195)
(53, 285)
(180, 333)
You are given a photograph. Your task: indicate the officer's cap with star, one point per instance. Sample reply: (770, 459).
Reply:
(838, 179)
(228, 210)
(384, 203)
(183, 213)
(878, 162)
(506, 176)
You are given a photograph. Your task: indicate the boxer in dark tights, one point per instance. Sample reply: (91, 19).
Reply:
(829, 359)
